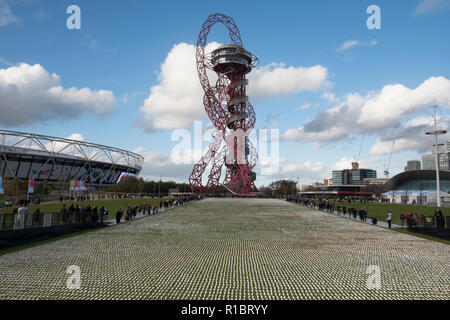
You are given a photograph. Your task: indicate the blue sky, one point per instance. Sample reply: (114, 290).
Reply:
(393, 74)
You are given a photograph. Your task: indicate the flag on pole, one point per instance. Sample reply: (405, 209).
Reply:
(31, 185)
(2, 191)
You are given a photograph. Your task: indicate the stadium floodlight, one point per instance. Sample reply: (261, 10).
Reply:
(435, 133)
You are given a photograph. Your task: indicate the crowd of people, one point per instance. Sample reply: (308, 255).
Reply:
(341, 207)
(334, 207)
(77, 213)
(423, 221)
(101, 196)
(129, 213)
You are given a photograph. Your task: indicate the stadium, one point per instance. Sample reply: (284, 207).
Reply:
(45, 158)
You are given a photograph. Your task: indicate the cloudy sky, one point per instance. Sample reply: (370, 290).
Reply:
(325, 80)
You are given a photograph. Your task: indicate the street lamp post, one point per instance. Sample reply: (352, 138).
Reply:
(436, 132)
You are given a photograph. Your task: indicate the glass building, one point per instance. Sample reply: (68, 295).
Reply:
(352, 176)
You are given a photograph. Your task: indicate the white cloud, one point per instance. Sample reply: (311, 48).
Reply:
(394, 102)
(376, 113)
(276, 79)
(385, 147)
(158, 164)
(177, 100)
(57, 146)
(410, 136)
(76, 136)
(6, 15)
(330, 97)
(427, 6)
(30, 94)
(310, 168)
(311, 171)
(318, 138)
(307, 172)
(348, 44)
(305, 106)
(355, 43)
(346, 163)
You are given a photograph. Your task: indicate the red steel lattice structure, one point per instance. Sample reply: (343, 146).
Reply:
(232, 115)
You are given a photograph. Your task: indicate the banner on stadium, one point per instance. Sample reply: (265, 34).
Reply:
(2, 191)
(72, 185)
(125, 174)
(31, 185)
(78, 185)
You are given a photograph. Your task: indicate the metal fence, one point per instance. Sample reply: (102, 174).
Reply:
(45, 220)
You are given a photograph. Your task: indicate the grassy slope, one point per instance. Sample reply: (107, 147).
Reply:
(112, 205)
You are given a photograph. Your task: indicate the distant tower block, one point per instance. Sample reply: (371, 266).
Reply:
(227, 105)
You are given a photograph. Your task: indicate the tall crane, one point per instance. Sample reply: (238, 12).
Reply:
(360, 147)
(356, 159)
(386, 166)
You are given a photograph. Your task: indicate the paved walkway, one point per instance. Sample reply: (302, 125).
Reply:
(112, 222)
(232, 249)
(368, 220)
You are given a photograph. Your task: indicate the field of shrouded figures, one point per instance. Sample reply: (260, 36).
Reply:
(232, 249)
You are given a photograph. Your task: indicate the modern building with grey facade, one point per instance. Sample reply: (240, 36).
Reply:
(352, 176)
(413, 165)
(443, 150)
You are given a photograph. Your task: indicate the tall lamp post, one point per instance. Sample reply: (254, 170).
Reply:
(435, 133)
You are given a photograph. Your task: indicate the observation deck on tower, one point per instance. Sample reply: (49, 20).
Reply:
(231, 58)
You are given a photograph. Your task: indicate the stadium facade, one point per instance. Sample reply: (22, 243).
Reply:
(45, 158)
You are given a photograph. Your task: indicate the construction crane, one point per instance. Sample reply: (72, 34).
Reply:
(360, 147)
(386, 166)
(355, 162)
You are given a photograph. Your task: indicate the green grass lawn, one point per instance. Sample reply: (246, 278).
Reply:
(375, 209)
(379, 210)
(111, 205)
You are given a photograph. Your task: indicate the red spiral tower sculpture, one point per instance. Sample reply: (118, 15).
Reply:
(232, 115)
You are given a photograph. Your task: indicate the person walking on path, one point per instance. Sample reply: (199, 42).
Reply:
(118, 215)
(102, 214)
(402, 219)
(389, 218)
